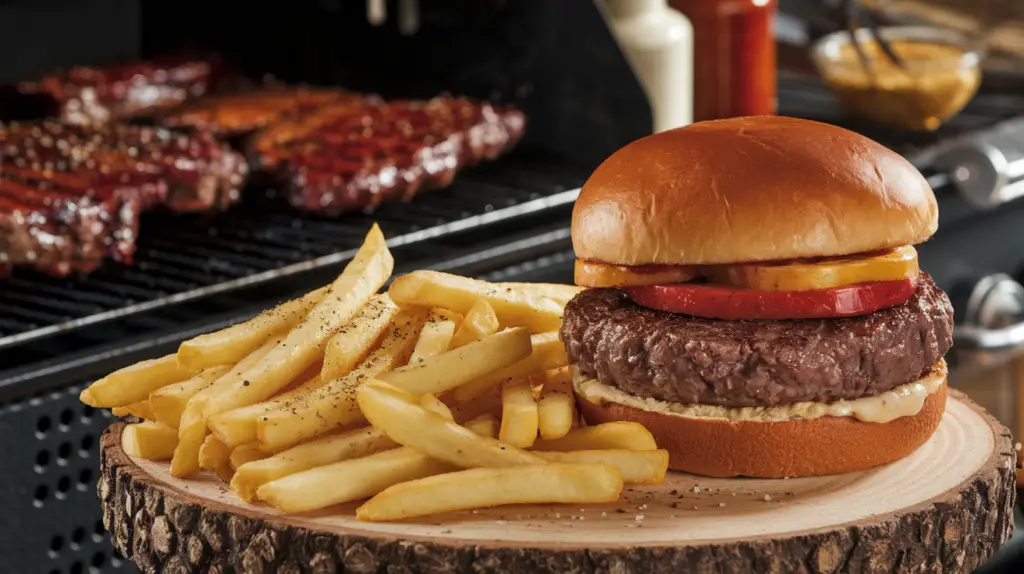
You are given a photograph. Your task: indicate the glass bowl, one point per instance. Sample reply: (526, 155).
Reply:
(941, 74)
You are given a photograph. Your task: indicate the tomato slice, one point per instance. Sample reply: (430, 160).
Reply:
(724, 302)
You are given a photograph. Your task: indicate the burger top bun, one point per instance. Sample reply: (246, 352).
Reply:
(750, 189)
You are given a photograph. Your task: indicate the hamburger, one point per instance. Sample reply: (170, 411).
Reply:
(754, 299)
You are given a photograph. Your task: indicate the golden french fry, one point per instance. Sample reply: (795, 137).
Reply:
(560, 294)
(479, 322)
(149, 440)
(577, 483)
(513, 308)
(133, 384)
(435, 336)
(434, 405)
(169, 402)
(618, 435)
(191, 435)
(322, 451)
(333, 405)
(484, 425)
(350, 345)
(245, 454)
(141, 409)
(238, 427)
(213, 455)
(518, 414)
(409, 424)
(635, 467)
(348, 480)
(454, 368)
(304, 345)
(547, 353)
(231, 345)
(556, 407)
(488, 403)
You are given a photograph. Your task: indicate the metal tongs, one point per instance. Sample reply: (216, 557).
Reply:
(852, 11)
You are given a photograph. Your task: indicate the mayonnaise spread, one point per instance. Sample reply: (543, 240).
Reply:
(903, 401)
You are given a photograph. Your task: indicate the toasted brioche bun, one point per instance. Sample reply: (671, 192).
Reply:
(750, 189)
(793, 448)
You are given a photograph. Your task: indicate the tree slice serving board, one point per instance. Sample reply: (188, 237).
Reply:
(947, 507)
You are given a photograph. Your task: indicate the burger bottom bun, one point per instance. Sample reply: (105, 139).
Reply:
(794, 448)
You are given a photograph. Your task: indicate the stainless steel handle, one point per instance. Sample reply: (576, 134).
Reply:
(993, 316)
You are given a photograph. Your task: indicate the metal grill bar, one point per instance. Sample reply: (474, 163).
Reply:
(188, 257)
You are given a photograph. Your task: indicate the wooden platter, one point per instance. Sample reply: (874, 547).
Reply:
(947, 507)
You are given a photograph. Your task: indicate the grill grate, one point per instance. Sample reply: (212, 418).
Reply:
(186, 257)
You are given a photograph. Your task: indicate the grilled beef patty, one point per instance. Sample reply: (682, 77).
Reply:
(684, 359)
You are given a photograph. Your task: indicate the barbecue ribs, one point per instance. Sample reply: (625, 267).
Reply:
(94, 95)
(70, 196)
(241, 113)
(355, 154)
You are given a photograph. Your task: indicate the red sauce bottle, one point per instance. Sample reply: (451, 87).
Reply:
(735, 69)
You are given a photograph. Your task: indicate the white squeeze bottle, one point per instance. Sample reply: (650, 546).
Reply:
(658, 43)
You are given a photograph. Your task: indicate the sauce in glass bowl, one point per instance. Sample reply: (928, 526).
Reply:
(940, 74)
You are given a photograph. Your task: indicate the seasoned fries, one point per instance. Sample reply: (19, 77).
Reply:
(141, 409)
(513, 308)
(436, 335)
(556, 407)
(333, 405)
(518, 414)
(355, 340)
(149, 440)
(483, 487)
(635, 467)
(480, 322)
(228, 346)
(411, 425)
(547, 353)
(617, 435)
(452, 369)
(303, 346)
(450, 373)
(133, 384)
(323, 451)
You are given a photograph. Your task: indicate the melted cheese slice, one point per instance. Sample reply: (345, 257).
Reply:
(903, 401)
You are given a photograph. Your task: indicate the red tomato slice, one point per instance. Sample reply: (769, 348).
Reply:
(724, 302)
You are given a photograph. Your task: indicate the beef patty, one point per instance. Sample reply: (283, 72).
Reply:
(690, 360)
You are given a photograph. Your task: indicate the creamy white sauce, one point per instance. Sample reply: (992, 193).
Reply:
(903, 401)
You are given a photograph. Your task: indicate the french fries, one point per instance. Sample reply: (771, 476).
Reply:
(518, 414)
(436, 335)
(556, 407)
(547, 353)
(149, 440)
(265, 404)
(168, 403)
(617, 435)
(349, 480)
(214, 456)
(513, 308)
(451, 369)
(483, 487)
(141, 409)
(133, 384)
(245, 454)
(479, 322)
(409, 424)
(354, 341)
(334, 406)
(363, 276)
(323, 451)
(635, 467)
(560, 294)
(229, 346)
